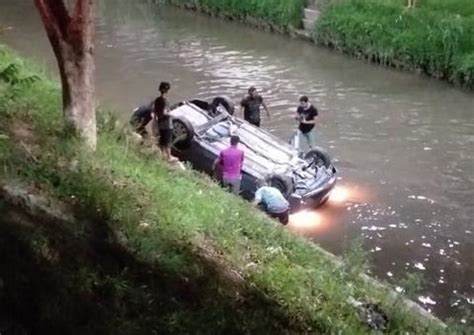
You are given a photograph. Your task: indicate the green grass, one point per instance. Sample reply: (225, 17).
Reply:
(433, 39)
(280, 14)
(136, 261)
(461, 7)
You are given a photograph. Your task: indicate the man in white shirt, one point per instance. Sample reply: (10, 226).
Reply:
(270, 200)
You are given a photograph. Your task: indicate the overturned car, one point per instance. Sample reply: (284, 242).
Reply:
(202, 130)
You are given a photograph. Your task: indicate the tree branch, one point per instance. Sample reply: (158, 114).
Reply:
(55, 15)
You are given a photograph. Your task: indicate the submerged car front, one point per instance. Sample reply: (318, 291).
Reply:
(313, 181)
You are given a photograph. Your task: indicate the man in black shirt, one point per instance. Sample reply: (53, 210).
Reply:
(251, 107)
(162, 117)
(306, 114)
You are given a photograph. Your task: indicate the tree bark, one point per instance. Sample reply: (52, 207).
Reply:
(71, 38)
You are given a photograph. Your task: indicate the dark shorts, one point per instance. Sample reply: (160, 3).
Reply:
(254, 122)
(282, 217)
(165, 137)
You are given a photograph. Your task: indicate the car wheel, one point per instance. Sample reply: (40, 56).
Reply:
(225, 102)
(201, 104)
(315, 155)
(283, 183)
(183, 133)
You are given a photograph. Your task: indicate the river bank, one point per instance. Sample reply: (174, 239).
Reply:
(278, 15)
(435, 39)
(130, 201)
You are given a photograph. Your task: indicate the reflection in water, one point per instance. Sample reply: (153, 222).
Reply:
(339, 195)
(317, 222)
(305, 221)
(402, 144)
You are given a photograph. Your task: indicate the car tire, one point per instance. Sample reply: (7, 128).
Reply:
(204, 105)
(318, 154)
(226, 102)
(183, 133)
(282, 183)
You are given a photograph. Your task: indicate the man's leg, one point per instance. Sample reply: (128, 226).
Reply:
(284, 217)
(236, 187)
(228, 186)
(256, 123)
(301, 140)
(310, 138)
(233, 186)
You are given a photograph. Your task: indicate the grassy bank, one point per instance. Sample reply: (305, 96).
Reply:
(436, 38)
(152, 249)
(280, 15)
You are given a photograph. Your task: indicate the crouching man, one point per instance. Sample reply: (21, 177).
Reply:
(270, 200)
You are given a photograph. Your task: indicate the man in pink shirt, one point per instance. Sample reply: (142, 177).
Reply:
(231, 161)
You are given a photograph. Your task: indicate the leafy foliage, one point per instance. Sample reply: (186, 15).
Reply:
(13, 83)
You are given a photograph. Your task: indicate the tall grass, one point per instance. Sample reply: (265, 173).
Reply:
(281, 14)
(164, 220)
(437, 43)
(461, 7)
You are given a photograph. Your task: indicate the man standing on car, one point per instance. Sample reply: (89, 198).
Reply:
(306, 114)
(271, 201)
(162, 117)
(231, 161)
(251, 107)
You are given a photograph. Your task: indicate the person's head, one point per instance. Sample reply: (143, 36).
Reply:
(252, 91)
(234, 140)
(304, 101)
(164, 87)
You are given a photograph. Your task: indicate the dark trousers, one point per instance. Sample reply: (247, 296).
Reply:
(256, 123)
(282, 217)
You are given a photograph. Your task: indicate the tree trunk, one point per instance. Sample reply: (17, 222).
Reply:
(72, 40)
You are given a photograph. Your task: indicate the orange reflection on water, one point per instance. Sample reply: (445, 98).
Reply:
(340, 194)
(305, 221)
(331, 216)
